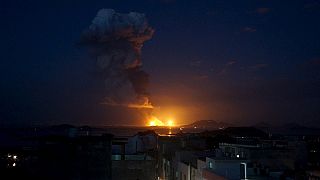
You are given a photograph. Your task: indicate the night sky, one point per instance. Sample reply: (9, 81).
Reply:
(241, 62)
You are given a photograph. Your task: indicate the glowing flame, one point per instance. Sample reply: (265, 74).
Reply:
(154, 121)
(170, 123)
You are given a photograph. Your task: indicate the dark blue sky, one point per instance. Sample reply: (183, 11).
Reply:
(235, 61)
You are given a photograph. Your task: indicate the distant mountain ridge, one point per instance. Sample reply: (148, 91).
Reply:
(288, 129)
(284, 129)
(208, 124)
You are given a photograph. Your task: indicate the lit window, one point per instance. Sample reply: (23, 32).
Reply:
(210, 165)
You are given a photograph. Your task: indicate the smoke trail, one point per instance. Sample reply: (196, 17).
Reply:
(116, 40)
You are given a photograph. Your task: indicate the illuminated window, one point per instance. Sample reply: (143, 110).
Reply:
(210, 165)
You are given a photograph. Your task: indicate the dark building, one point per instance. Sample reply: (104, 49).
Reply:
(58, 157)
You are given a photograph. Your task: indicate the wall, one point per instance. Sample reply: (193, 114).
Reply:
(134, 170)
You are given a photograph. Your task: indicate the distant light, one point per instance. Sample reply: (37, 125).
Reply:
(195, 127)
(152, 123)
(238, 155)
(170, 123)
(210, 165)
(9, 155)
(14, 157)
(14, 164)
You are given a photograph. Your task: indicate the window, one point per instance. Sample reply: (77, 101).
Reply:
(210, 165)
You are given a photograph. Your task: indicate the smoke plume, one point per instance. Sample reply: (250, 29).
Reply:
(116, 40)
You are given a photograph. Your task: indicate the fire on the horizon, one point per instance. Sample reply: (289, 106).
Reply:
(170, 123)
(154, 121)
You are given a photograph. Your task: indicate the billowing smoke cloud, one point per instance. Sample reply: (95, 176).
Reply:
(116, 40)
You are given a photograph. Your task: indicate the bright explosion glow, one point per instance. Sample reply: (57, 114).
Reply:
(154, 121)
(170, 122)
